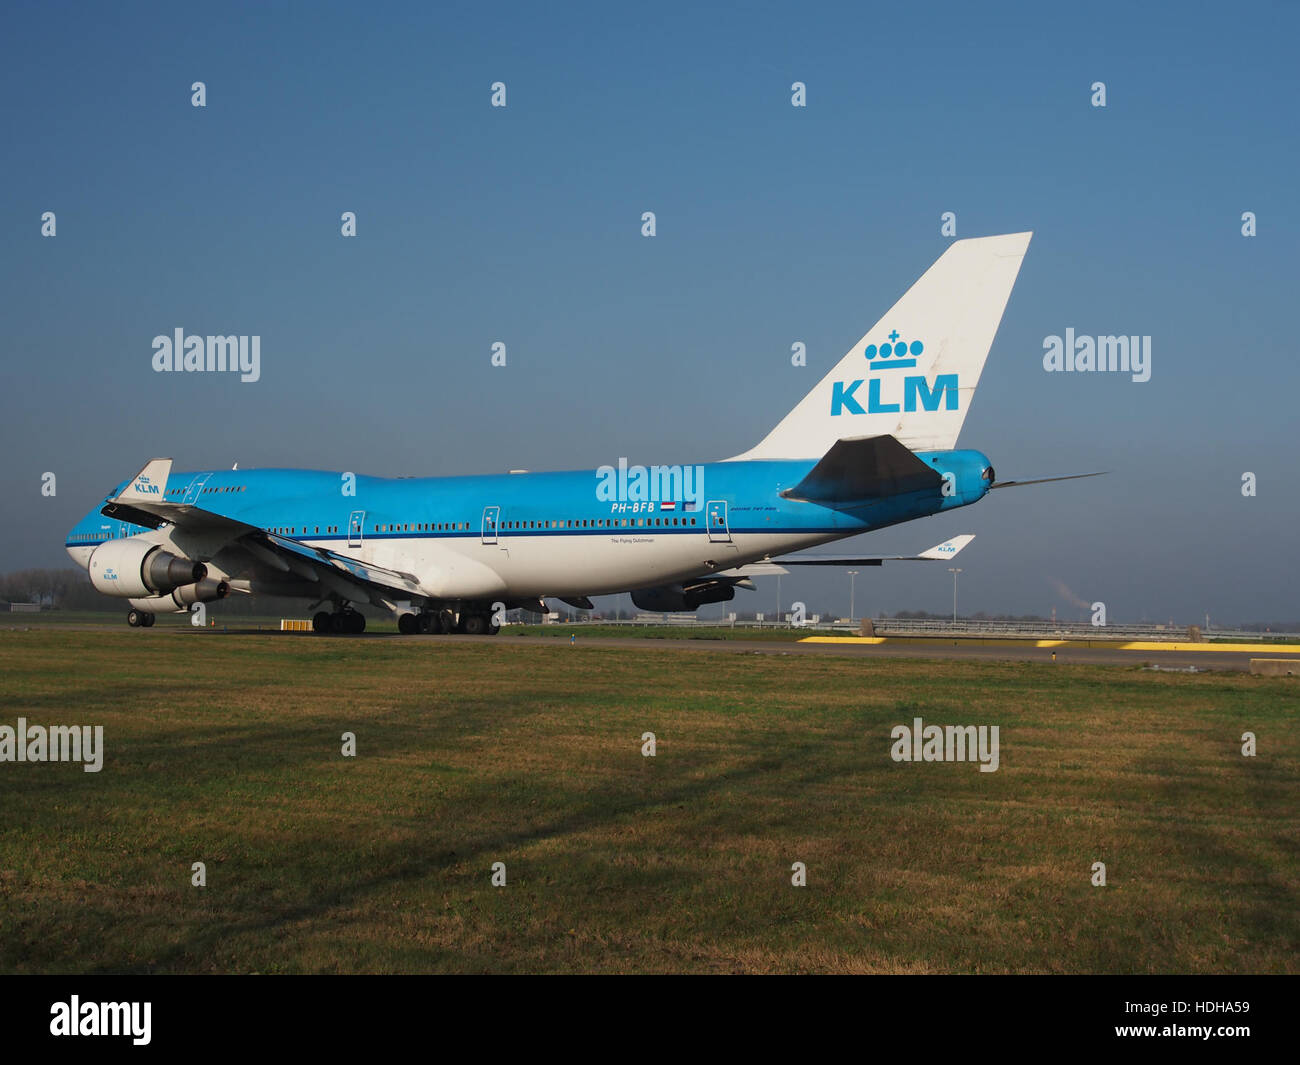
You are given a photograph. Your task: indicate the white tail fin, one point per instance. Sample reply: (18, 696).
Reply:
(913, 375)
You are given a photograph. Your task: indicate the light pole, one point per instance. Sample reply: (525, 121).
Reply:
(852, 573)
(954, 573)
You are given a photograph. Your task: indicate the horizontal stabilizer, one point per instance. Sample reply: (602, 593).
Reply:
(946, 549)
(775, 567)
(864, 468)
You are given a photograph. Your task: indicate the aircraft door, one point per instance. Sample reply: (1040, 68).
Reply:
(716, 518)
(491, 519)
(195, 487)
(356, 528)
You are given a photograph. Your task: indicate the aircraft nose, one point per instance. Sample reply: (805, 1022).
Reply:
(79, 554)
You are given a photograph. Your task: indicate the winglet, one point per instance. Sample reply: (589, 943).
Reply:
(149, 484)
(949, 548)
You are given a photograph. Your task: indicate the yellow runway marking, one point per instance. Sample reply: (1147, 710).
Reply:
(1114, 645)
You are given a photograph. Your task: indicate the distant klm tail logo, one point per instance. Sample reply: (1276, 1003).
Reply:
(143, 484)
(895, 355)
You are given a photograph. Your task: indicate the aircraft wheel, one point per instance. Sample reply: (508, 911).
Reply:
(446, 621)
(493, 626)
(148, 620)
(427, 622)
(351, 622)
(475, 625)
(135, 618)
(408, 624)
(323, 622)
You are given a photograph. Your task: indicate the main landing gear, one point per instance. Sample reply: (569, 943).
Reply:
(478, 625)
(140, 619)
(427, 623)
(347, 622)
(438, 622)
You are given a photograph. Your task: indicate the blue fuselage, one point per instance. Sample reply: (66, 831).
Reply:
(338, 508)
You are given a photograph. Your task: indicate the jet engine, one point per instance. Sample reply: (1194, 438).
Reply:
(136, 568)
(208, 590)
(689, 596)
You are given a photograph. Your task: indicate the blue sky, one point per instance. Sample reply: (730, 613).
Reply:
(775, 224)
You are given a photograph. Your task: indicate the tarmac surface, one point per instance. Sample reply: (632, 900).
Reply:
(1176, 657)
(935, 648)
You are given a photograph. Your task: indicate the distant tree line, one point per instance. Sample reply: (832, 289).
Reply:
(69, 589)
(59, 589)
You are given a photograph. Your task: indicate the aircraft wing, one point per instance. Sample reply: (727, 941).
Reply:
(776, 566)
(367, 573)
(142, 503)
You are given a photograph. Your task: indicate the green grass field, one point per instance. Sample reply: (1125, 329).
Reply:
(225, 749)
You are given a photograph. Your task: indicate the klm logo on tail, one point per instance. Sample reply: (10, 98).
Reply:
(917, 388)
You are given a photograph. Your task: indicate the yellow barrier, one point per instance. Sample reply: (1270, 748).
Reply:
(292, 625)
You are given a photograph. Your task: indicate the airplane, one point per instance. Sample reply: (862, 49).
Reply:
(872, 445)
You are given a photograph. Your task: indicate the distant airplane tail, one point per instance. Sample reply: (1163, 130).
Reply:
(913, 375)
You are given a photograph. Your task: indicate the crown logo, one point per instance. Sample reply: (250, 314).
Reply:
(894, 355)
